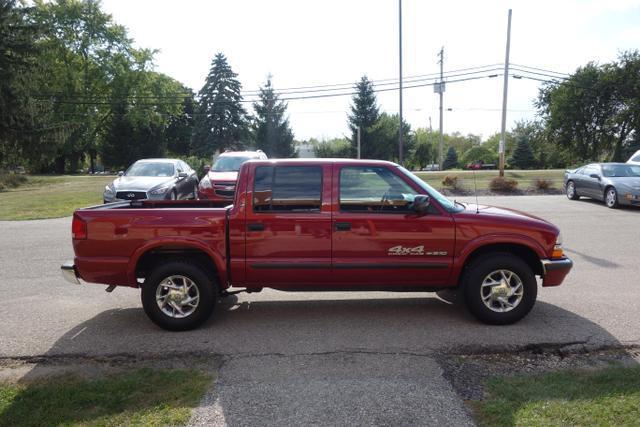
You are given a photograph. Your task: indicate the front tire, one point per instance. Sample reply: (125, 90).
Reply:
(500, 289)
(179, 295)
(611, 198)
(571, 192)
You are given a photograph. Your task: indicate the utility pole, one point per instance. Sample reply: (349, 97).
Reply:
(503, 141)
(400, 157)
(440, 87)
(358, 142)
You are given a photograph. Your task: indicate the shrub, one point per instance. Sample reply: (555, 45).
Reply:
(543, 184)
(11, 181)
(501, 184)
(450, 181)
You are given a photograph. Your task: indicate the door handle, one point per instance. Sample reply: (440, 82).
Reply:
(343, 226)
(256, 226)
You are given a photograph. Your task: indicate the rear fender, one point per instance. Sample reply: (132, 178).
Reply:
(217, 258)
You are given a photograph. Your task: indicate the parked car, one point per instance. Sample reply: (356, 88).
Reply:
(614, 183)
(635, 158)
(481, 165)
(157, 179)
(219, 183)
(312, 225)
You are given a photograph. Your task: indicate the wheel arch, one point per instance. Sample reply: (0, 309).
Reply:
(153, 253)
(523, 251)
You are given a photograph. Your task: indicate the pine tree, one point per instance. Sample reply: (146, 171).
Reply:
(522, 157)
(451, 159)
(221, 120)
(271, 131)
(364, 114)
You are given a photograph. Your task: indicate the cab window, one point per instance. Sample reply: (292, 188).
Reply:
(287, 189)
(374, 189)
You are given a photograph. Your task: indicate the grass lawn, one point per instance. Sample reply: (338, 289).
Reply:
(51, 196)
(525, 178)
(142, 397)
(607, 397)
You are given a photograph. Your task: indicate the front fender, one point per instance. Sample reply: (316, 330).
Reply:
(472, 246)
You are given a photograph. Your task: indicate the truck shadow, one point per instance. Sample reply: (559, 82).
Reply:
(405, 326)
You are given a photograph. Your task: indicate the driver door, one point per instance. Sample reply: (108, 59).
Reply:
(378, 240)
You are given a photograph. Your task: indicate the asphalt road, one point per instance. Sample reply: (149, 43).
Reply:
(270, 340)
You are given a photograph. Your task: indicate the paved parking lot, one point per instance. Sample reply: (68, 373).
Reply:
(598, 305)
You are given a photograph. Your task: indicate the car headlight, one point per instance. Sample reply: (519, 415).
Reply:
(109, 190)
(205, 183)
(159, 191)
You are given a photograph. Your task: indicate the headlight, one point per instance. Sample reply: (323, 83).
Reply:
(159, 191)
(109, 189)
(205, 183)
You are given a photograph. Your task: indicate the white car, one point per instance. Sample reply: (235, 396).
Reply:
(635, 159)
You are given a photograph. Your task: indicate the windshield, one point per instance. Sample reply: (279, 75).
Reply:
(621, 170)
(150, 169)
(432, 192)
(229, 163)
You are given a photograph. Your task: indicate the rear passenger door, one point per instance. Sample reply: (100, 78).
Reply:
(288, 220)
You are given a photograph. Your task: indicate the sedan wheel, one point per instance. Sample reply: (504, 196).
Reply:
(571, 191)
(611, 198)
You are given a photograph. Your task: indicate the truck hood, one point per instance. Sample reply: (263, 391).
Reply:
(501, 212)
(141, 183)
(231, 176)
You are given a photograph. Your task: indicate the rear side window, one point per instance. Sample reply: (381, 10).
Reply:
(636, 158)
(287, 189)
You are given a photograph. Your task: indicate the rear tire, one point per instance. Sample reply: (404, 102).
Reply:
(179, 295)
(571, 192)
(500, 289)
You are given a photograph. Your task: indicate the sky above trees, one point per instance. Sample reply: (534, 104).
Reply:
(313, 43)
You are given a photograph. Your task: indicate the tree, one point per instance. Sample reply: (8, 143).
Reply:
(593, 115)
(271, 131)
(522, 157)
(17, 50)
(364, 114)
(451, 159)
(333, 148)
(425, 151)
(384, 138)
(222, 120)
(479, 154)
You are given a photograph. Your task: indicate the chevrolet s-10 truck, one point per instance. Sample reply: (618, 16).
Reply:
(317, 225)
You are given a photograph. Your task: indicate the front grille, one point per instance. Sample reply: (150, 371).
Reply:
(131, 195)
(225, 189)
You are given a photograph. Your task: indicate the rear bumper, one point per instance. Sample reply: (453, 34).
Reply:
(69, 272)
(555, 270)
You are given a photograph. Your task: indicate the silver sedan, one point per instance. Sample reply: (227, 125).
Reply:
(157, 179)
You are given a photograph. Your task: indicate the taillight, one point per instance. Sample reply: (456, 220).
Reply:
(78, 229)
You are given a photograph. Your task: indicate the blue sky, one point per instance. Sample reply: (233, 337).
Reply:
(305, 43)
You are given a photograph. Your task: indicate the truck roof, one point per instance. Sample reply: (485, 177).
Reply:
(365, 162)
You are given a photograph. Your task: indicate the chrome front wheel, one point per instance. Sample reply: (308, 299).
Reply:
(501, 291)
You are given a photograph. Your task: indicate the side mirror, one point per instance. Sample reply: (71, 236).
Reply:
(595, 175)
(120, 173)
(421, 204)
(207, 168)
(182, 175)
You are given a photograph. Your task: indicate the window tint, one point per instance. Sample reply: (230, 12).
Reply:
(374, 189)
(287, 189)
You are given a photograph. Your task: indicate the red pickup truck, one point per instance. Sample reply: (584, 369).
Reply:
(316, 225)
